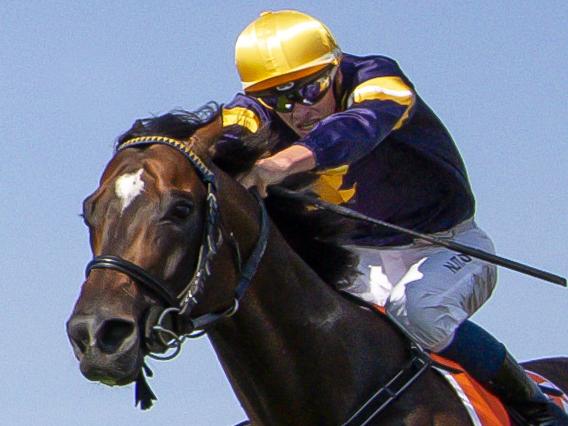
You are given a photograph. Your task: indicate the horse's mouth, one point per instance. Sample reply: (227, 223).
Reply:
(105, 379)
(155, 342)
(110, 377)
(116, 370)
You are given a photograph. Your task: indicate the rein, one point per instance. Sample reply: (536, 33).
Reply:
(183, 303)
(381, 399)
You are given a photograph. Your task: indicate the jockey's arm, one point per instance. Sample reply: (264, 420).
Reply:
(276, 168)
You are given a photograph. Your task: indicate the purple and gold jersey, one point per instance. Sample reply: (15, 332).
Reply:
(384, 153)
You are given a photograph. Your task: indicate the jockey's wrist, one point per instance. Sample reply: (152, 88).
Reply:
(292, 160)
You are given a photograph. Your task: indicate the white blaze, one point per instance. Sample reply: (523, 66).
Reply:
(128, 187)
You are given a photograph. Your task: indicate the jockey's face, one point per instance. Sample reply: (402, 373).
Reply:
(303, 118)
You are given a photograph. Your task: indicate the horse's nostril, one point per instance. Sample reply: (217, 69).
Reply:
(81, 343)
(113, 333)
(79, 332)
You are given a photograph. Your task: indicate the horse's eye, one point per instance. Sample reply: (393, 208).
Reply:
(180, 211)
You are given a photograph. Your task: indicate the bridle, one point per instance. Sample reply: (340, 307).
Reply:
(182, 304)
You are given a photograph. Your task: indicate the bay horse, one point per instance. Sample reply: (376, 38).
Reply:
(263, 286)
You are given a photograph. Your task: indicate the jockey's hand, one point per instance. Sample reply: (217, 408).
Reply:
(264, 173)
(274, 169)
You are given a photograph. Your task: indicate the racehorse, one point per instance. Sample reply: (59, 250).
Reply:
(180, 245)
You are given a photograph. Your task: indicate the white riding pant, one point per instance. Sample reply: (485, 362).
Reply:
(426, 289)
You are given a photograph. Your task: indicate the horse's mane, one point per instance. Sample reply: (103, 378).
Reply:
(313, 234)
(177, 124)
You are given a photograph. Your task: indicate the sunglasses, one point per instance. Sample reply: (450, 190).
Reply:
(283, 98)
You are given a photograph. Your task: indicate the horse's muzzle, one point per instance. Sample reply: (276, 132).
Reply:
(108, 349)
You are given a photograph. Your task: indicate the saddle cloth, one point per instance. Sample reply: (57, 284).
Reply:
(483, 407)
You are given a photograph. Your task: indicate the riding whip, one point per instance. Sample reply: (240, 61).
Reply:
(460, 248)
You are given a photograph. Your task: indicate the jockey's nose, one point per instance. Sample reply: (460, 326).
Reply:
(107, 335)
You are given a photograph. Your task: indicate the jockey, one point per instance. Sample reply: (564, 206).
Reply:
(359, 123)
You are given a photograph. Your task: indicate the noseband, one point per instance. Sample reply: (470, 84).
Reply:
(182, 304)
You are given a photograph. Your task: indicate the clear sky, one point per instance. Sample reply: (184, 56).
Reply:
(74, 75)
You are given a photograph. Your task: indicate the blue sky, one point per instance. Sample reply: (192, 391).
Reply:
(75, 75)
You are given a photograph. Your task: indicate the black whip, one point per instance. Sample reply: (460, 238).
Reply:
(460, 248)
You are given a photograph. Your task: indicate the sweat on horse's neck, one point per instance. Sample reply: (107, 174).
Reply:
(297, 349)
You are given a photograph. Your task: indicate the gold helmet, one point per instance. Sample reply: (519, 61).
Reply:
(282, 46)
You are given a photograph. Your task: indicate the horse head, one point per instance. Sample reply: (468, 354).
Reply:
(154, 225)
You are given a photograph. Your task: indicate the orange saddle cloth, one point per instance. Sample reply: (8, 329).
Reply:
(483, 407)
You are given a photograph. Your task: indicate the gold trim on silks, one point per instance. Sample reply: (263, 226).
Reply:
(328, 184)
(242, 116)
(385, 89)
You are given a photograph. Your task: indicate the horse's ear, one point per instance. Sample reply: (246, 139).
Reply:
(205, 137)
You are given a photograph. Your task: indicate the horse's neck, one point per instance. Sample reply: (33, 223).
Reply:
(296, 345)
